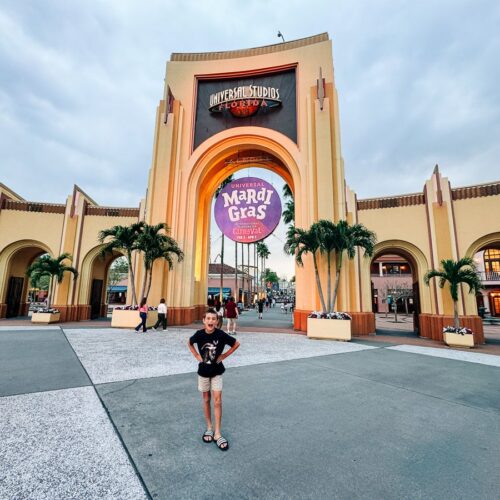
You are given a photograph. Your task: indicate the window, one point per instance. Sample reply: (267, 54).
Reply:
(492, 260)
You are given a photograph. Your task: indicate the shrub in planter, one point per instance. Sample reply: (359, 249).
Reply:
(458, 337)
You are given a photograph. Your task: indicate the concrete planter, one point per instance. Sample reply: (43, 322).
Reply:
(123, 318)
(458, 340)
(46, 318)
(333, 329)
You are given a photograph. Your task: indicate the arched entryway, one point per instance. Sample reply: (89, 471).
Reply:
(93, 282)
(486, 254)
(14, 284)
(210, 168)
(395, 276)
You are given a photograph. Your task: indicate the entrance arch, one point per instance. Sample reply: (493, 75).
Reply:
(489, 269)
(14, 261)
(418, 264)
(93, 282)
(211, 165)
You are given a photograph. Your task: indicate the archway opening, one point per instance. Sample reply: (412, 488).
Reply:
(487, 260)
(19, 294)
(395, 290)
(239, 269)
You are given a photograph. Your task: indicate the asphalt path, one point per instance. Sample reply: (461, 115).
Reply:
(355, 421)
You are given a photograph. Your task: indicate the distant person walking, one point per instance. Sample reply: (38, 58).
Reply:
(231, 315)
(220, 314)
(143, 312)
(162, 315)
(260, 306)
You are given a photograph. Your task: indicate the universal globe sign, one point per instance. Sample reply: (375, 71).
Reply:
(248, 210)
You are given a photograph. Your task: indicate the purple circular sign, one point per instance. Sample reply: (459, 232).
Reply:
(248, 210)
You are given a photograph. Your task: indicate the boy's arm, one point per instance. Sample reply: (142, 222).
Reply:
(226, 354)
(193, 351)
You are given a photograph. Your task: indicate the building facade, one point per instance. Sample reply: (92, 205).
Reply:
(272, 107)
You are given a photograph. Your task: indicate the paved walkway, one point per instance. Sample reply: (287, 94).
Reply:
(105, 413)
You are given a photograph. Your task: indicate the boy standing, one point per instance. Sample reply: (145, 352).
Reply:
(211, 342)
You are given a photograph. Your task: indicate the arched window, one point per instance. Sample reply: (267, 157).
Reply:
(492, 260)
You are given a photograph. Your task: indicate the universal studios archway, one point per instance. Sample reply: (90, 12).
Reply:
(272, 107)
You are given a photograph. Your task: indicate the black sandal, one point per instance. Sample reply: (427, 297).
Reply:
(221, 442)
(208, 436)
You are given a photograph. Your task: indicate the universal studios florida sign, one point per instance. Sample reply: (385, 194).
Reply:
(248, 210)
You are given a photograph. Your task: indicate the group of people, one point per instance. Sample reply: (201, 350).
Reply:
(230, 311)
(143, 313)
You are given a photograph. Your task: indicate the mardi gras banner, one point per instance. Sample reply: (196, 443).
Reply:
(248, 210)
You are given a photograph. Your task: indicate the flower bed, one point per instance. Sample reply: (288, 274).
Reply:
(458, 337)
(45, 315)
(332, 315)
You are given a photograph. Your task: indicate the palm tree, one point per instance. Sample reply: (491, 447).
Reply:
(123, 238)
(300, 242)
(348, 238)
(156, 245)
(53, 268)
(456, 272)
(262, 252)
(224, 183)
(288, 214)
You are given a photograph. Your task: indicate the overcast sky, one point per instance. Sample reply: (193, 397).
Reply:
(418, 82)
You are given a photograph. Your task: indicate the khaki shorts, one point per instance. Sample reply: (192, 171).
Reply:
(206, 384)
(231, 324)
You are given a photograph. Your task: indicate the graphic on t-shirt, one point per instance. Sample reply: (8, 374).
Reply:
(208, 352)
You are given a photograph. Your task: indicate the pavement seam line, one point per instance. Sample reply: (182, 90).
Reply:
(108, 414)
(495, 412)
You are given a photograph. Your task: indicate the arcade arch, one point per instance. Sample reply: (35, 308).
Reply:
(486, 253)
(418, 265)
(93, 282)
(14, 284)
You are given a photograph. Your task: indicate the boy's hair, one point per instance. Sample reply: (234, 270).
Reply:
(162, 301)
(210, 310)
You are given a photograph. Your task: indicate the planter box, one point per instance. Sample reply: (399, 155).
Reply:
(458, 340)
(130, 319)
(45, 317)
(333, 329)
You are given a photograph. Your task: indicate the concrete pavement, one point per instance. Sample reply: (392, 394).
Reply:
(114, 414)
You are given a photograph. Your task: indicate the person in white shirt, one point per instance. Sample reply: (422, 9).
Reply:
(162, 315)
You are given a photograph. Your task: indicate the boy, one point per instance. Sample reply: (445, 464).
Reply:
(211, 342)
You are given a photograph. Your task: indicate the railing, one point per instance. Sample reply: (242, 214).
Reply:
(479, 191)
(28, 206)
(392, 202)
(392, 275)
(490, 276)
(112, 211)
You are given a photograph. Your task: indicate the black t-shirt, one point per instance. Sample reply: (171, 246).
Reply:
(211, 346)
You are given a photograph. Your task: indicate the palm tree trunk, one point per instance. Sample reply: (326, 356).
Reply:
(49, 294)
(329, 285)
(318, 283)
(337, 279)
(256, 260)
(132, 278)
(456, 321)
(144, 280)
(221, 297)
(150, 280)
(236, 287)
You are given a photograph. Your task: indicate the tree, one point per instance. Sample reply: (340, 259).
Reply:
(270, 276)
(454, 273)
(224, 183)
(288, 213)
(349, 238)
(52, 268)
(123, 239)
(263, 252)
(300, 242)
(326, 237)
(155, 244)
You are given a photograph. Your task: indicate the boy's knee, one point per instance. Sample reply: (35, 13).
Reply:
(206, 397)
(217, 399)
